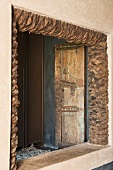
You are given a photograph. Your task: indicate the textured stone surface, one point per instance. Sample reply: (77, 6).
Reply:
(15, 101)
(28, 21)
(98, 94)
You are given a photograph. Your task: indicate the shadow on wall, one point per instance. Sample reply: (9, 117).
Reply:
(49, 96)
(105, 167)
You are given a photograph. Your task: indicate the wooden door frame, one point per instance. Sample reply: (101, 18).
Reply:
(97, 68)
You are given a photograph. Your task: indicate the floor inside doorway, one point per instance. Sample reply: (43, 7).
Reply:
(29, 152)
(34, 151)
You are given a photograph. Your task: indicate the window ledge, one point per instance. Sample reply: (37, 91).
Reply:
(81, 157)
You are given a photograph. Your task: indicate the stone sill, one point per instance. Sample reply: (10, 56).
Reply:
(78, 157)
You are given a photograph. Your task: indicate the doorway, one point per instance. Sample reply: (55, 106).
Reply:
(39, 60)
(30, 83)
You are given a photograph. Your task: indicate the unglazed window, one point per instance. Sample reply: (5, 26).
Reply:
(97, 72)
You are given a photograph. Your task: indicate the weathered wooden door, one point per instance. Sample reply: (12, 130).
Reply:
(69, 94)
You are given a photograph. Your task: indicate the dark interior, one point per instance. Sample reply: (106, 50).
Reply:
(36, 124)
(30, 122)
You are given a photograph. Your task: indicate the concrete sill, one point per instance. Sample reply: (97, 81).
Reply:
(78, 157)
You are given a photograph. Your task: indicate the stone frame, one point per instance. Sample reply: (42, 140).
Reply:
(97, 70)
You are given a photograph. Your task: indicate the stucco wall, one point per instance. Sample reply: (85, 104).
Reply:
(110, 86)
(96, 15)
(5, 82)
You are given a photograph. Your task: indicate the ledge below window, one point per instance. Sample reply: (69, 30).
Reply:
(78, 157)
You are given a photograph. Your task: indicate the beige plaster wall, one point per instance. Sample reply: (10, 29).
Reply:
(96, 15)
(5, 82)
(110, 86)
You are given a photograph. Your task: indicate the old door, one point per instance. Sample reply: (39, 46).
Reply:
(69, 94)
